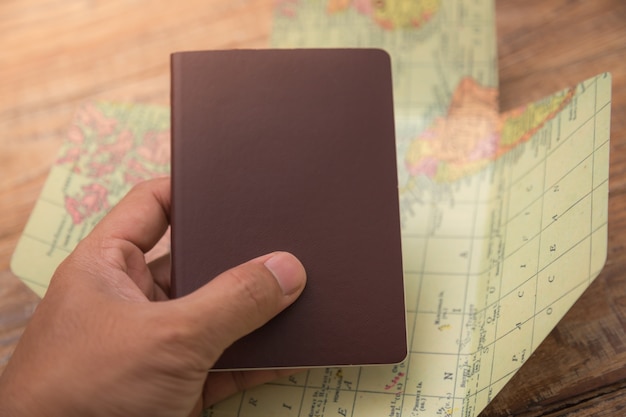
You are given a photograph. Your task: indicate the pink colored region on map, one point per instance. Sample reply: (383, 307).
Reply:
(287, 7)
(388, 14)
(92, 200)
(365, 7)
(473, 133)
(91, 116)
(99, 148)
(111, 155)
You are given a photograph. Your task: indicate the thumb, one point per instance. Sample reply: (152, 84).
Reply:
(244, 298)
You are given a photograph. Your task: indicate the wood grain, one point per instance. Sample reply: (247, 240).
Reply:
(59, 53)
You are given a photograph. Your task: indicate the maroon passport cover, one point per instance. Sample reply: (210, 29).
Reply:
(292, 150)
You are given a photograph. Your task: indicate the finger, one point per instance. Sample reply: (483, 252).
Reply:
(141, 217)
(160, 271)
(243, 299)
(121, 238)
(221, 385)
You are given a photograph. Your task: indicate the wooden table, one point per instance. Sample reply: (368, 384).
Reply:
(56, 54)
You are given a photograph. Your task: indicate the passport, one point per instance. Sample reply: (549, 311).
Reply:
(292, 150)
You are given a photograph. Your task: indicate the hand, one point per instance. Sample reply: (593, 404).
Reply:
(97, 346)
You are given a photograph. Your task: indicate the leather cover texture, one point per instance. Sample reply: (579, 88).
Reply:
(292, 150)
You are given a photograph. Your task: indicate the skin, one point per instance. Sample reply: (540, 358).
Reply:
(106, 341)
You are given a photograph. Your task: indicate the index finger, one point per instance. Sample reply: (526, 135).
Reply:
(141, 217)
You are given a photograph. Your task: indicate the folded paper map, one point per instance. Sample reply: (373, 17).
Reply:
(504, 215)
